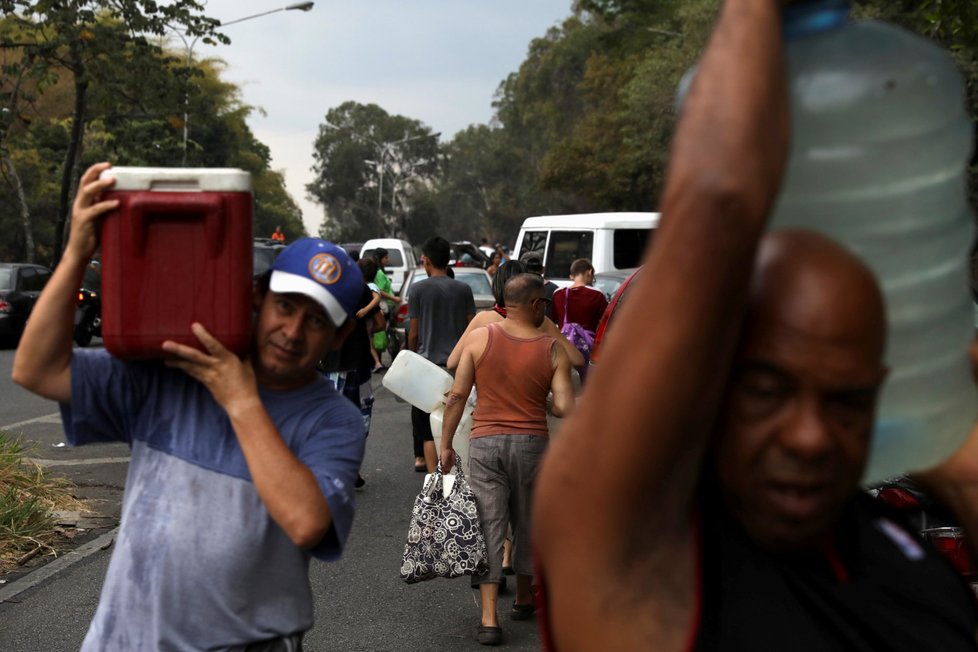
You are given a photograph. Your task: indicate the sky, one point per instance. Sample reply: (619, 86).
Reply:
(437, 61)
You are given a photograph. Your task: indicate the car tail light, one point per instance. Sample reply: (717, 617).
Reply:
(81, 297)
(402, 311)
(4, 306)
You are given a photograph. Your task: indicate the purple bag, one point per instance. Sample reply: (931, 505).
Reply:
(580, 338)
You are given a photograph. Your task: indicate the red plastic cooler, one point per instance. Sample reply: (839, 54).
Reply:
(177, 250)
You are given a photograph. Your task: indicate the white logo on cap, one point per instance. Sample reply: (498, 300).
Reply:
(325, 269)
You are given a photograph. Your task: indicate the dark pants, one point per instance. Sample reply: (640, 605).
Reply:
(420, 430)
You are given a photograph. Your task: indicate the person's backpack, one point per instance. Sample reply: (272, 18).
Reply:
(580, 338)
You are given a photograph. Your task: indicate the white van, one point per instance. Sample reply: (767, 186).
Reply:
(402, 259)
(609, 240)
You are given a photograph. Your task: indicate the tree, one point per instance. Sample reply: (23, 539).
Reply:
(74, 36)
(135, 119)
(369, 165)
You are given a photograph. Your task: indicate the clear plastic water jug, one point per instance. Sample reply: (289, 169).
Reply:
(880, 142)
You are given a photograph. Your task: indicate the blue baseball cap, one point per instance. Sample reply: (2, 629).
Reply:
(322, 271)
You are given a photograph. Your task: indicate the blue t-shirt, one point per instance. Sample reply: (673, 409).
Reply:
(199, 563)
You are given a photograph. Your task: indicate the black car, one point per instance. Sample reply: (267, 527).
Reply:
(20, 286)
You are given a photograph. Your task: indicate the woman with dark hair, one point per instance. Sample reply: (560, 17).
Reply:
(494, 262)
(498, 313)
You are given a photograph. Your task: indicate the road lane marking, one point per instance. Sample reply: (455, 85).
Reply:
(47, 418)
(93, 460)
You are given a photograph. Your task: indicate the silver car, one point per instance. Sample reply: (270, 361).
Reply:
(475, 278)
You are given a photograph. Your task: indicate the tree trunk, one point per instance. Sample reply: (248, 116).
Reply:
(25, 211)
(68, 171)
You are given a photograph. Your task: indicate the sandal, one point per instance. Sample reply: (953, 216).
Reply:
(489, 635)
(523, 611)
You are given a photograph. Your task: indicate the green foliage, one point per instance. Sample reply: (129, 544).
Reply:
(27, 498)
(135, 104)
(585, 124)
(369, 166)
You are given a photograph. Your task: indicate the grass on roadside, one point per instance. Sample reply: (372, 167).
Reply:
(28, 498)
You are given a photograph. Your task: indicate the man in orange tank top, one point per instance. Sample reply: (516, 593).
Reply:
(514, 367)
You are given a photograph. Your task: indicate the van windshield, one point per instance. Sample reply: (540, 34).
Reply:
(565, 248)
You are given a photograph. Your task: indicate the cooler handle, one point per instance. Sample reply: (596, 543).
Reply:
(211, 205)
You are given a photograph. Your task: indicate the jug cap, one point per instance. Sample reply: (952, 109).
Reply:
(807, 17)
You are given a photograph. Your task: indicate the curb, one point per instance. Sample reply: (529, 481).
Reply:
(51, 569)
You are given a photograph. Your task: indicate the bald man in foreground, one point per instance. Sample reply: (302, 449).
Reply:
(719, 509)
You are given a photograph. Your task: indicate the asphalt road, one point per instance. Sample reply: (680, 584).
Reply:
(361, 603)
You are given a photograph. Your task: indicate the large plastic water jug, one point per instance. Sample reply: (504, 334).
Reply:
(460, 442)
(418, 381)
(880, 142)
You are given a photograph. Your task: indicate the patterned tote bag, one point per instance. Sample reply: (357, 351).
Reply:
(445, 538)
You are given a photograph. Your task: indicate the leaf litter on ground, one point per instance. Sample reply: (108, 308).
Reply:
(33, 505)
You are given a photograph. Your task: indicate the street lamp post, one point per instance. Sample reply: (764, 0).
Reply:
(383, 149)
(298, 6)
(386, 148)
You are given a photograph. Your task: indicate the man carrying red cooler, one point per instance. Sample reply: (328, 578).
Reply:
(241, 469)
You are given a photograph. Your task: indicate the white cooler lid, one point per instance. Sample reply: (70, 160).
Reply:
(180, 179)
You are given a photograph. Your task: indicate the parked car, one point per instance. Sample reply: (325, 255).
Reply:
(609, 240)
(475, 278)
(609, 282)
(20, 286)
(609, 314)
(264, 253)
(401, 259)
(352, 248)
(476, 258)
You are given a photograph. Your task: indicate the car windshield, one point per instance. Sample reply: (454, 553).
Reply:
(608, 284)
(6, 278)
(478, 282)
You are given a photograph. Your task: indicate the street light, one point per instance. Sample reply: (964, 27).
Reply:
(384, 149)
(298, 6)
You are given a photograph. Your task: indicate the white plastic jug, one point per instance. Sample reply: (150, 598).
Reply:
(461, 440)
(421, 383)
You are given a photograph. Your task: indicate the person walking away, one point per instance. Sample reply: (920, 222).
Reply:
(578, 309)
(241, 470)
(513, 367)
(533, 262)
(440, 309)
(498, 313)
(390, 300)
(723, 511)
(580, 303)
(349, 369)
(278, 236)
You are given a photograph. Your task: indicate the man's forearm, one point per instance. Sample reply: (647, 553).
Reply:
(286, 486)
(451, 418)
(43, 356)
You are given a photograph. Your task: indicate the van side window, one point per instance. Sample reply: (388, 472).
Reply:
(629, 245)
(565, 248)
(534, 241)
(394, 258)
